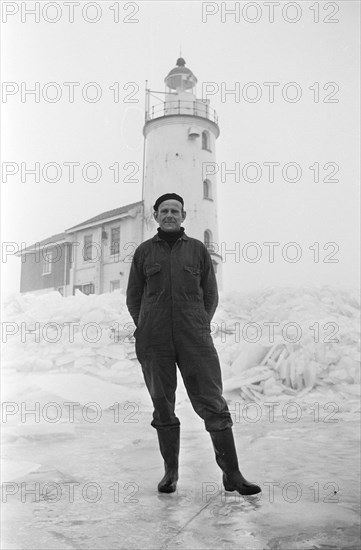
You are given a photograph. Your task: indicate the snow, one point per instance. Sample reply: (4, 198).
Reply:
(280, 344)
(84, 389)
(281, 341)
(76, 411)
(305, 338)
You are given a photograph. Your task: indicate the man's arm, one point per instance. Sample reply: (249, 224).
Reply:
(209, 285)
(135, 287)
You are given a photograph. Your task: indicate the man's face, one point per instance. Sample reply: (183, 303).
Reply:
(170, 215)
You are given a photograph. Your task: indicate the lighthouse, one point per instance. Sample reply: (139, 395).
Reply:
(180, 133)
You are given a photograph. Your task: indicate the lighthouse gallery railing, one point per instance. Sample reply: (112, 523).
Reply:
(182, 107)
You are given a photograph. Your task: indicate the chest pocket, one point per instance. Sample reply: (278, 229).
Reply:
(193, 270)
(192, 279)
(153, 278)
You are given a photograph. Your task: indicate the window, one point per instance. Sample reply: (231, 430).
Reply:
(207, 239)
(114, 285)
(47, 259)
(207, 186)
(88, 289)
(85, 289)
(115, 240)
(205, 140)
(87, 249)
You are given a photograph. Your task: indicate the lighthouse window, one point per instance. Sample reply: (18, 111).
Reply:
(205, 140)
(207, 189)
(207, 239)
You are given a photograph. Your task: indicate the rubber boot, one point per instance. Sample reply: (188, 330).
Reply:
(226, 458)
(169, 448)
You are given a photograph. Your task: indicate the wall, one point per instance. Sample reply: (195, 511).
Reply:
(106, 267)
(32, 277)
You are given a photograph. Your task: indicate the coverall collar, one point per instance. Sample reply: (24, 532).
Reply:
(157, 238)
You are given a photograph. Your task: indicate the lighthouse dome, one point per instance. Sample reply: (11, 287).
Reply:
(180, 78)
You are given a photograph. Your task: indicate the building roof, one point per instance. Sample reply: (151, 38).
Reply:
(96, 220)
(63, 237)
(54, 239)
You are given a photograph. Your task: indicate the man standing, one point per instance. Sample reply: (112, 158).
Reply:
(172, 296)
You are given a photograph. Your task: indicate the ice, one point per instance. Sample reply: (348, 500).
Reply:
(33, 430)
(119, 454)
(249, 356)
(311, 460)
(14, 469)
(84, 389)
(91, 334)
(320, 346)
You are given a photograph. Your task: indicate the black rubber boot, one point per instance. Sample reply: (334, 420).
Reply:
(169, 448)
(226, 458)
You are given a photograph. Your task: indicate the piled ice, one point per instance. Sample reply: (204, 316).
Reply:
(289, 340)
(277, 341)
(76, 333)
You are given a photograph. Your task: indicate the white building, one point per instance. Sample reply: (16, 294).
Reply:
(180, 135)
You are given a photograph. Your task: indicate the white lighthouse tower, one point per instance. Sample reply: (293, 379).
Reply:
(180, 133)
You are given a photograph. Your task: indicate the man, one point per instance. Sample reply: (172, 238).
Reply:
(172, 296)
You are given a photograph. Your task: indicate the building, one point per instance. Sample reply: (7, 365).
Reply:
(94, 256)
(45, 265)
(103, 248)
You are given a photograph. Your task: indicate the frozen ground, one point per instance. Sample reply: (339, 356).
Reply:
(80, 472)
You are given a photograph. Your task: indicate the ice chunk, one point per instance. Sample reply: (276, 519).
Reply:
(250, 355)
(14, 469)
(85, 389)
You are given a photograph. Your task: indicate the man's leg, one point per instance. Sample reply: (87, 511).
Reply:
(160, 376)
(169, 449)
(203, 380)
(199, 365)
(226, 458)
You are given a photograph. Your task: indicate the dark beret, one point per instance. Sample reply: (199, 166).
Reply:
(166, 197)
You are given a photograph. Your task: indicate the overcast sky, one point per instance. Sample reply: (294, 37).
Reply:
(313, 122)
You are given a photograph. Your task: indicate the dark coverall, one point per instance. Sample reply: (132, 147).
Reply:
(172, 296)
